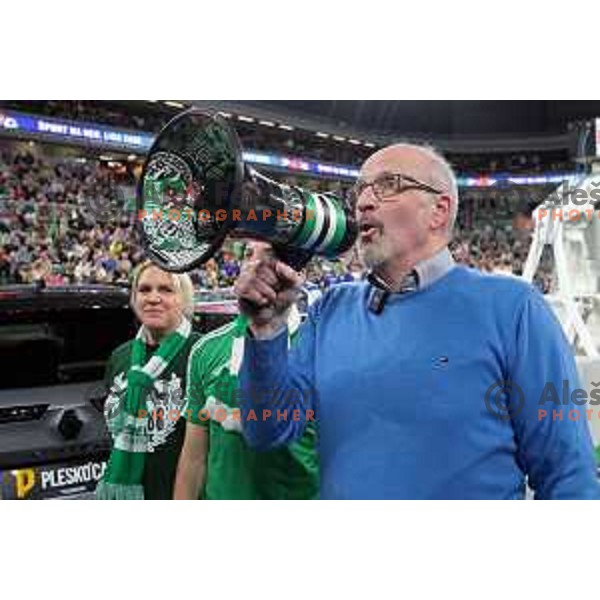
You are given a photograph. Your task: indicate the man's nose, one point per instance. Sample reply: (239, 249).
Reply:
(366, 201)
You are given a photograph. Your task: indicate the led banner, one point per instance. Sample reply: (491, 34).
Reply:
(13, 122)
(299, 164)
(311, 167)
(61, 129)
(499, 181)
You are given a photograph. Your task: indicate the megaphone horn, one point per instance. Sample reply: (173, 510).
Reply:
(195, 189)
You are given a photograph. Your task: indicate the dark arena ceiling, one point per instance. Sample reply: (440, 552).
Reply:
(441, 117)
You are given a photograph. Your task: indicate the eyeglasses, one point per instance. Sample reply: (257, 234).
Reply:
(387, 186)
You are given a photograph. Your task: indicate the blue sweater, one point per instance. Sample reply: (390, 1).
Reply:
(400, 397)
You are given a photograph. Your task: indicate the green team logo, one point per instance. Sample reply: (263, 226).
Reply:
(164, 404)
(168, 182)
(170, 193)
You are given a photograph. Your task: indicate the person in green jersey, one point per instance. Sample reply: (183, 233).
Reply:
(145, 379)
(215, 462)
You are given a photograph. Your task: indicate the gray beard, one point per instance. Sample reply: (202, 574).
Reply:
(374, 255)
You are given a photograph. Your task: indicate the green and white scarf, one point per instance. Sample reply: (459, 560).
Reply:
(124, 472)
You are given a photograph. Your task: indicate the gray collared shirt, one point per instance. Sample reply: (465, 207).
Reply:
(423, 274)
(433, 268)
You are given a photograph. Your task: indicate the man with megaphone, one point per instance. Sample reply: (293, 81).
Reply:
(425, 379)
(399, 370)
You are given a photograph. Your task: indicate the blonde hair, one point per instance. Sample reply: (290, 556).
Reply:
(182, 282)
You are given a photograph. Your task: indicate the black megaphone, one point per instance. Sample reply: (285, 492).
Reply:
(195, 189)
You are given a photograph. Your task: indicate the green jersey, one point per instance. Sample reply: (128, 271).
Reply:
(235, 471)
(165, 428)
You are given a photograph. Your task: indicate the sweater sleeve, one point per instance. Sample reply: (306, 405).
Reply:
(276, 388)
(553, 439)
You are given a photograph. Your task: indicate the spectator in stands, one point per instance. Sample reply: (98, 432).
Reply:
(4, 266)
(46, 202)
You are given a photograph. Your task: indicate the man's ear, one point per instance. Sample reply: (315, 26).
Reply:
(441, 212)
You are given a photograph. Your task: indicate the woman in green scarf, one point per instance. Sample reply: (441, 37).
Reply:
(146, 382)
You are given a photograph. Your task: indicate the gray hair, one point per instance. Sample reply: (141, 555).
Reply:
(443, 175)
(448, 181)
